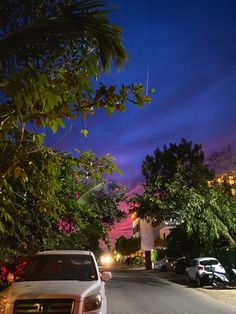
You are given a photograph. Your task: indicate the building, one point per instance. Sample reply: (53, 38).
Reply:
(151, 237)
(144, 230)
(161, 232)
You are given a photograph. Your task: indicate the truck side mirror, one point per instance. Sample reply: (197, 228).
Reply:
(106, 276)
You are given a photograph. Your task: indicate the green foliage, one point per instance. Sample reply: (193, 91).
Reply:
(43, 84)
(35, 178)
(65, 30)
(51, 55)
(165, 162)
(177, 189)
(154, 255)
(127, 246)
(180, 243)
(227, 256)
(91, 200)
(162, 172)
(31, 228)
(93, 166)
(137, 262)
(103, 200)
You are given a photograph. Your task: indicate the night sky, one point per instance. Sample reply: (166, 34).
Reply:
(188, 47)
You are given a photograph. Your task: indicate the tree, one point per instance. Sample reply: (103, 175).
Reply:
(44, 83)
(180, 243)
(177, 188)
(224, 164)
(51, 55)
(127, 246)
(92, 202)
(223, 161)
(161, 169)
(79, 224)
(104, 200)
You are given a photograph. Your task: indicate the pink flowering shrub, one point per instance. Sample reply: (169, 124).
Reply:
(76, 195)
(66, 226)
(157, 194)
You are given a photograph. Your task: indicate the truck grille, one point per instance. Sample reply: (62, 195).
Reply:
(56, 306)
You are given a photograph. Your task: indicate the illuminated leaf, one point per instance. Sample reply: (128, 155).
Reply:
(84, 132)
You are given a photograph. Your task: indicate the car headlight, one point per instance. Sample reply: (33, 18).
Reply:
(93, 302)
(3, 303)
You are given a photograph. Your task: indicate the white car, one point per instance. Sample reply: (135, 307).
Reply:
(165, 264)
(65, 282)
(199, 269)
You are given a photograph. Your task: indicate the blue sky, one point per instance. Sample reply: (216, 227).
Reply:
(189, 47)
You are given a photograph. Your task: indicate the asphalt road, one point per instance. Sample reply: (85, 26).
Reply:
(140, 291)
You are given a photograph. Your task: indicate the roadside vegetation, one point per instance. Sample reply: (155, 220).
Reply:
(183, 188)
(52, 54)
(129, 249)
(127, 246)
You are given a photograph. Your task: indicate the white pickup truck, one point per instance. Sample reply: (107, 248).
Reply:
(59, 282)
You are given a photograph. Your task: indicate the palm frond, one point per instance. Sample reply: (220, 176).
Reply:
(86, 197)
(77, 26)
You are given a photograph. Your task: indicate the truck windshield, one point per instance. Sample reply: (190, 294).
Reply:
(59, 267)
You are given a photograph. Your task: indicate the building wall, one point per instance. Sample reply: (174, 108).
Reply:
(136, 228)
(165, 231)
(151, 237)
(147, 236)
(144, 230)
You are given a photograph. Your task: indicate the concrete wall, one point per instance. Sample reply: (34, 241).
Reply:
(147, 236)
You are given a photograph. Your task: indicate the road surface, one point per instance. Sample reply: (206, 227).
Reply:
(142, 292)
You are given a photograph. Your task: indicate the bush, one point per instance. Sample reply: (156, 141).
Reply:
(137, 261)
(154, 255)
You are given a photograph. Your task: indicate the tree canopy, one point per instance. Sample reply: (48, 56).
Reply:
(127, 246)
(178, 188)
(88, 208)
(52, 54)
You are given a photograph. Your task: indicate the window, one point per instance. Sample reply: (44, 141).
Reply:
(209, 262)
(59, 267)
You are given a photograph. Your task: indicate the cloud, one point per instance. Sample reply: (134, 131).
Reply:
(123, 228)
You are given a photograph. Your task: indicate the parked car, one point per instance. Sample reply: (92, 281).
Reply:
(199, 269)
(57, 282)
(181, 264)
(165, 264)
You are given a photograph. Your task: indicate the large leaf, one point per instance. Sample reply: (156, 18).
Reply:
(78, 23)
(86, 197)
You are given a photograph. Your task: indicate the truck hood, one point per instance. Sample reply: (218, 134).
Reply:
(76, 290)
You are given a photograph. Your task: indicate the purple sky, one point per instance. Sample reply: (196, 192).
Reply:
(190, 49)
